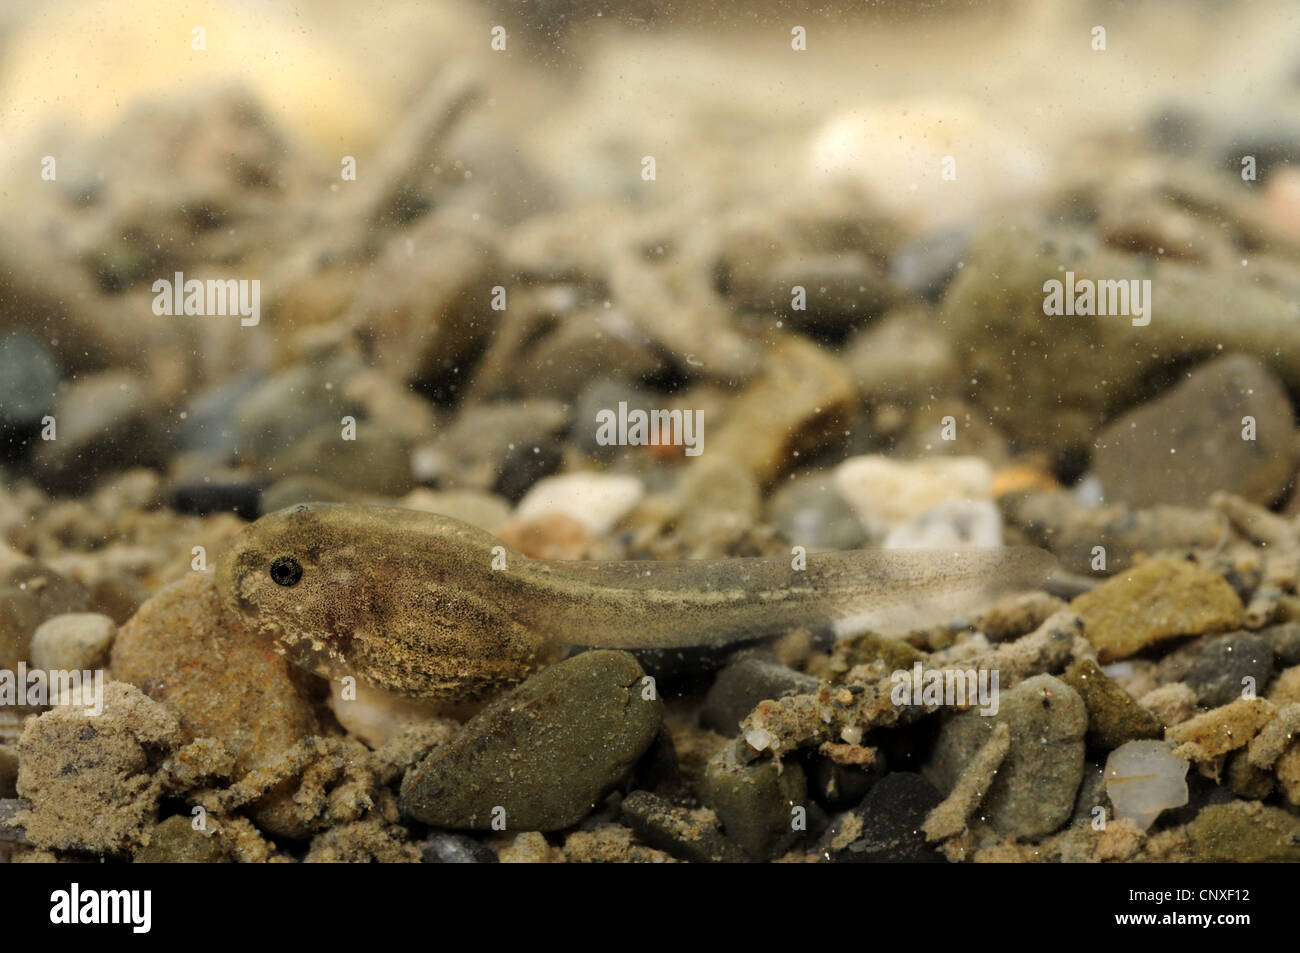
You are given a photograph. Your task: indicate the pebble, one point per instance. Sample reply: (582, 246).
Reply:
(302, 488)
(525, 464)
(842, 290)
(902, 358)
(886, 493)
(422, 320)
(756, 801)
(1284, 640)
(605, 393)
(1245, 832)
(1188, 444)
(222, 491)
(104, 422)
(547, 537)
(545, 752)
(596, 500)
(1163, 598)
(1217, 668)
(31, 593)
(469, 506)
(470, 451)
(73, 642)
(29, 384)
(1036, 785)
(952, 525)
(744, 683)
(690, 835)
(175, 841)
(8, 771)
(994, 306)
(182, 648)
(1220, 730)
(1144, 778)
(1114, 716)
(801, 403)
(925, 265)
(887, 826)
(210, 421)
(273, 416)
(376, 462)
(809, 511)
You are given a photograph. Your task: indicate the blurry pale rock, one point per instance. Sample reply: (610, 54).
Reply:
(469, 452)
(93, 781)
(1144, 778)
(994, 312)
(1163, 598)
(1195, 440)
(556, 536)
(370, 461)
(402, 412)
(800, 403)
(278, 412)
(1057, 521)
(925, 265)
(1282, 201)
(304, 488)
(952, 525)
(714, 483)
(843, 289)
(469, 506)
(29, 383)
(904, 358)
(899, 150)
(183, 649)
(1034, 791)
(808, 510)
(119, 59)
(589, 343)
(596, 500)
(30, 593)
(73, 642)
(103, 422)
(886, 493)
(427, 303)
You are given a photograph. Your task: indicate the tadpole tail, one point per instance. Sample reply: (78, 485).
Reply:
(717, 601)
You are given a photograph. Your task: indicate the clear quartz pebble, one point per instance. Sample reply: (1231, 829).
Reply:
(1144, 778)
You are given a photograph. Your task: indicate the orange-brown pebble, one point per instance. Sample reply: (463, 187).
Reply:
(554, 536)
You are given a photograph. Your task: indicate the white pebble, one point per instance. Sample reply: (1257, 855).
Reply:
(596, 500)
(1144, 778)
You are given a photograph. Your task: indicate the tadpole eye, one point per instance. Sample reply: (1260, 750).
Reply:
(286, 571)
